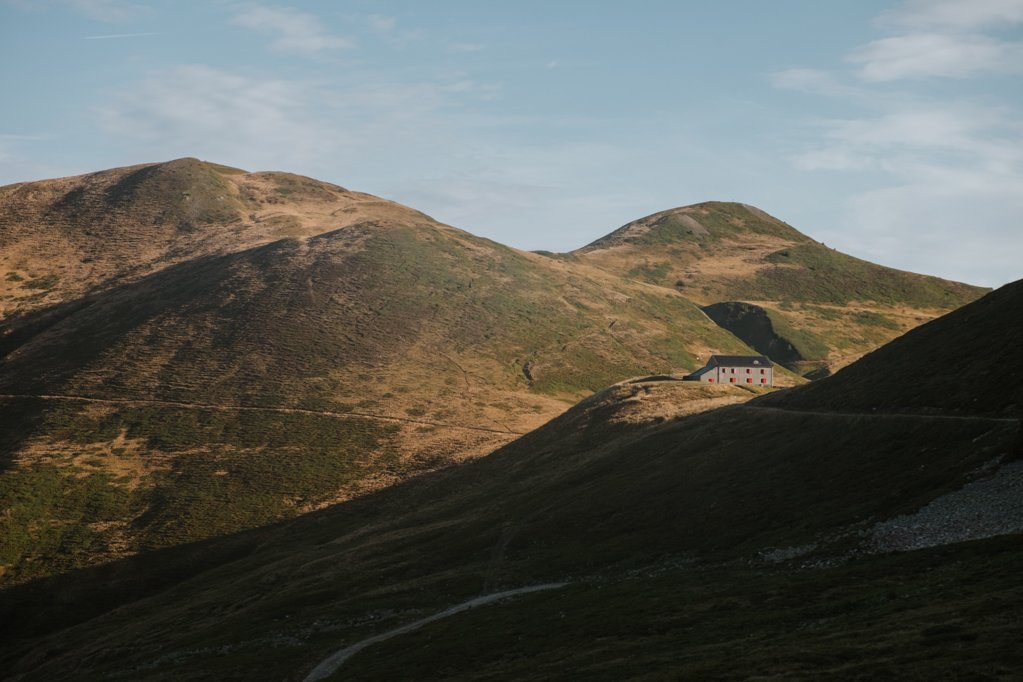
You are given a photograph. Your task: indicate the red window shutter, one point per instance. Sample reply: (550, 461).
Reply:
(749, 381)
(763, 381)
(733, 380)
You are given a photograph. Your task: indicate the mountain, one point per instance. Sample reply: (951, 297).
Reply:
(62, 238)
(234, 348)
(962, 363)
(795, 535)
(190, 354)
(778, 290)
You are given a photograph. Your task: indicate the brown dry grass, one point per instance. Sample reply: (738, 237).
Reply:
(62, 238)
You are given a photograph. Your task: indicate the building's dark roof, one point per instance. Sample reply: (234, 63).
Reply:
(740, 361)
(699, 373)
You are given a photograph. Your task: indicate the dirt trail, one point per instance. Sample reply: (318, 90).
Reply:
(246, 408)
(886, 415)
(329, 665)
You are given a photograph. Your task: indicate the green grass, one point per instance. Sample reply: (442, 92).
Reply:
(714, 489)
(653, 273)
(955, 363)
(187, 335)
(45, 283)
(198, 194)
(824, 275)
(809, 345)
(585, 495)
(302, 188)
(718, 220)
(235, 470)
(924, 615)
(45, 527)
(868, 318)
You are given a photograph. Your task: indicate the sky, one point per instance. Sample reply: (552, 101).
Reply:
(892, 131)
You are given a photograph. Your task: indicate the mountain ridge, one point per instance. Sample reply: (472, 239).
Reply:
(436, 344)
(238, 291)
(836, 306)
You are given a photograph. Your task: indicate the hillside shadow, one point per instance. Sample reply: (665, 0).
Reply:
(104, 315)
(47, 605)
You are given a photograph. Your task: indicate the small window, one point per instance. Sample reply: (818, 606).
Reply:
(732, 380)
(763, 371)
(711, 381)
(749, 381)
(749, 371)
(763, 381)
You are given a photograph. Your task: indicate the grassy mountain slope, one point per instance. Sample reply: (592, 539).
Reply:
(938, 367)
(239, 386)
(739, 537)
(718, 252)
(62, 238)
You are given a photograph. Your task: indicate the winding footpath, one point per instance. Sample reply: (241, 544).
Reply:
(885, 415)
(249, 408)
(330, 665)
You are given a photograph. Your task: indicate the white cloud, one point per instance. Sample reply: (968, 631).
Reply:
(954, 14)
(464, 47)
(114, 11)
(947, 188)
(921, 55)
(941, 180)
(812, 81)
(197, 110)
(291, 30)
(970, 132)
(379, 22)
(245, 120)
(111, 11)
(943, 38)
(120, 35)
(955, 223)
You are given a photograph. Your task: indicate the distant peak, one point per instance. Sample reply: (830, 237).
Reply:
(699, 223)
(192, 162)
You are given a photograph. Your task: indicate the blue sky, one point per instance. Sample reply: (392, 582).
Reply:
(890, 130)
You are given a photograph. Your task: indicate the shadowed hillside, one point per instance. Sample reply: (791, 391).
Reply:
(242, 386)
(217, 351)
(747, 535)
(833, 305)
(965, 362)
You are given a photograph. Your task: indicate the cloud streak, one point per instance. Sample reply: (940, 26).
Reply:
(197, 109)
(120, 35)
(291, 30)
(252, 121)
(924, 55)
(943, 39)
(953, 14)
(112, 11)
(947, 174)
